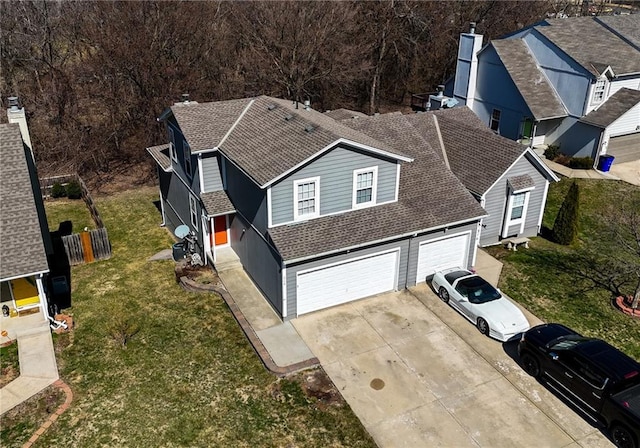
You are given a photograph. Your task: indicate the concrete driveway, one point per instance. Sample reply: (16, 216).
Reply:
(418, 374)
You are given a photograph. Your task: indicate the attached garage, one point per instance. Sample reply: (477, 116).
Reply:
(441, 254)
(625, 148)
(337, 283)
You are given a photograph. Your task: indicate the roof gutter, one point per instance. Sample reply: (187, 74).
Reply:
(24, 275)
(383, 240)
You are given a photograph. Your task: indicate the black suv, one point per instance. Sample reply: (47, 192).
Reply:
(593, 375)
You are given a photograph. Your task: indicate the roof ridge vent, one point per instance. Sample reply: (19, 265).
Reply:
(288, 117)
(271, 106)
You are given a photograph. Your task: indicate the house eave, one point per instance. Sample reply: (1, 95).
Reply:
(24, 275)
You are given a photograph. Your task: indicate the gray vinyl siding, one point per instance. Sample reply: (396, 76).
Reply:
(260, 261)
(292, 270)
(408, 260)
(176, 205)
(249, 199)
(335, 170)
(414, 245)
(578, 139)
(211, 175)
(193, 178)
(570, 80)
(496, 203)
(507, 98)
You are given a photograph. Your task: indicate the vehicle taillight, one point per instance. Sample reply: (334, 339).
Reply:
(631, 374)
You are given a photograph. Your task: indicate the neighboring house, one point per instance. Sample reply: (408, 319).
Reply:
(319, 212)
(24, 234)
(571, 82)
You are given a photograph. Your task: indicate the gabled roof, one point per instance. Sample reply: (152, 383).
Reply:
(617, 104)
(597, 42)
(275, 137)
(160, 154)
(477, 156)
(22, 250)
(343, 114)
(429, 197)
(541, 98)
(217, 203)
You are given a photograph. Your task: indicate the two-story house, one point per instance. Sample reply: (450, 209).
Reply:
(319, 211)
(572, 82)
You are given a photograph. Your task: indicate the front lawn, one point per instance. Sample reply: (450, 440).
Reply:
(187, 375)
(542, 278)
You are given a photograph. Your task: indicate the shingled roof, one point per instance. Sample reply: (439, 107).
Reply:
(160, 154)
(22, 250)
(617, 104)
(429, 197)
(476, 155)
(597, 42)
(542, 100)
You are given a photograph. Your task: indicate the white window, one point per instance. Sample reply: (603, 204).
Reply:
(494, 124)
(364, 187)
(306, 203)
(516, 212)
(599, 91)
(193, 211)
(172, 146)
(187, 158)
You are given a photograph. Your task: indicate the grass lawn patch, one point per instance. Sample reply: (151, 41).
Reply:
(74, 210)
(186, 374)
(543, 278)
(9, 366)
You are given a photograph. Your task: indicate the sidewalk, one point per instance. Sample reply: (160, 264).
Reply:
(627, 172)
(38, 368)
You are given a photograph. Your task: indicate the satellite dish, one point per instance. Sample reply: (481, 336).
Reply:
(182, 231)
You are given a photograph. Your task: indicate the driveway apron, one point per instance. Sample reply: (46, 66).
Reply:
(418, 374)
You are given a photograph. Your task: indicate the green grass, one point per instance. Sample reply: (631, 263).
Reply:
(188, 376)
(74, 210)
(543, 280)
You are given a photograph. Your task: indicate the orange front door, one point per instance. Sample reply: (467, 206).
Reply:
(220, 230)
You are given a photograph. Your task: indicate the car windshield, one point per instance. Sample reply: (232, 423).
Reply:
(567, 342)
(477, 290)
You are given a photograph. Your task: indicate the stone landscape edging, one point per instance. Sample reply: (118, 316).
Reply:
(248, 330)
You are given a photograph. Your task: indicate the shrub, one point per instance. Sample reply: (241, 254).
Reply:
(581, 163)
(58, 190)
(74, 191)
(552, 152)
(565, 227)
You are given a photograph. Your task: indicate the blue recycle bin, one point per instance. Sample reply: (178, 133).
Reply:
(605, 162)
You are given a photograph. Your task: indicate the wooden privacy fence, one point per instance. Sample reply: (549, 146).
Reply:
(85, 247)
(88, 246)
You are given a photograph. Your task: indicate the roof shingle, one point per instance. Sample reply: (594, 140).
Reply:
(617, 104)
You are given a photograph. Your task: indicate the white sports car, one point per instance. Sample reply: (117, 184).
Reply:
(482, 304)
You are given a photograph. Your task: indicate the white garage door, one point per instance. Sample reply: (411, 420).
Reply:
(343, 282)
(442, 254)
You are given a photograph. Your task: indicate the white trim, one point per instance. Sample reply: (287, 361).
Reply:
(544, 204)
(164, 216)
(541, 164)
(523, 190)
(316, 198)
(269, 211)
(200, 173)
(34, 274)
(374, 187)
(508, 222)
(206, 234)
(397, 192)
(283, 275)
(491, 119)
(193, 212)
(173, 152)
(44, 303)
(331, 146)
(223, 161)
(605, 91)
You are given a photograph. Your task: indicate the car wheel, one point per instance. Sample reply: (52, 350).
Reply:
(444, 295)
(622, 437)
(483, 326)
(530, 365)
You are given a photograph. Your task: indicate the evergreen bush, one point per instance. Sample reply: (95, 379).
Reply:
(58, 190)
(581, 163)
(565, 227)
(552, 152)
(74, 191)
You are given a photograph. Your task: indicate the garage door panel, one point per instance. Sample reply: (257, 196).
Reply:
(343, 282)
(442, 254)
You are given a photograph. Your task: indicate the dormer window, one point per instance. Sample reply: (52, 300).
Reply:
(364, 187)
(599, 91)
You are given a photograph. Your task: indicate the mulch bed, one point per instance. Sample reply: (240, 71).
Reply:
(624, 304)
